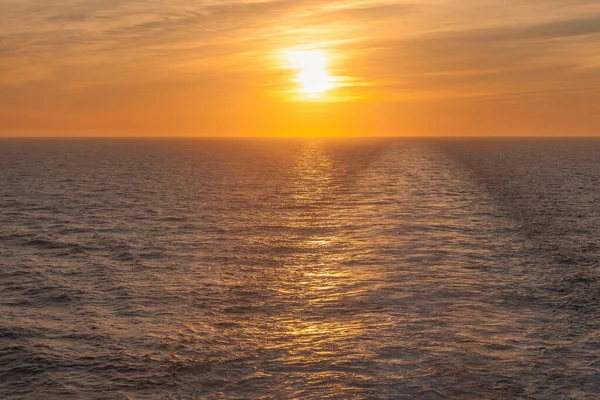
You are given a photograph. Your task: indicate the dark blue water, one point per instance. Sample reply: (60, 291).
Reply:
(272, 269)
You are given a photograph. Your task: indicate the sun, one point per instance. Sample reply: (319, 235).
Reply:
(312, 75)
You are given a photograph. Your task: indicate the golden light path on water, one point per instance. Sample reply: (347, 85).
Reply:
(346, 303)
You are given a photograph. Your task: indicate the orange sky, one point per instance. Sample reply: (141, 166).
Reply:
(218, 68)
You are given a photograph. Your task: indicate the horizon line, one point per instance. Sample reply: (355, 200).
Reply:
(319, 137)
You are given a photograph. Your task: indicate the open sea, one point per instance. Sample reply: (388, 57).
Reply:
(300, 269)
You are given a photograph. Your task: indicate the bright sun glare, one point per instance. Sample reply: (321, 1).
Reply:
(313, 77)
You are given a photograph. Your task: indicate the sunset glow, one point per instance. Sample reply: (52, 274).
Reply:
(287, 68)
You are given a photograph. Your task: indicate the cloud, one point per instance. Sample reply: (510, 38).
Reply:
(370, 13)
(550, 30)
(507, 59)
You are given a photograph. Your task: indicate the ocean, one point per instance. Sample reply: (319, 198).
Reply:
(300, 269)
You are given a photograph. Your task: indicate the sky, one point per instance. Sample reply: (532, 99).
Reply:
(226, 68)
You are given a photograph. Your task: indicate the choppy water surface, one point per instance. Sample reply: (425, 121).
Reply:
(356, 269)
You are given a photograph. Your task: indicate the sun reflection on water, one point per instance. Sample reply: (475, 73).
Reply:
(316, 331)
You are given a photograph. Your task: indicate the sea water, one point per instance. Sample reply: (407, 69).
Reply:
(300, 269)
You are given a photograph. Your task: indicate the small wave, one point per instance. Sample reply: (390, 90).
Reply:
(44, 244)
(14, 333)
(48, 295)
(125, 256)
(49, 244)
